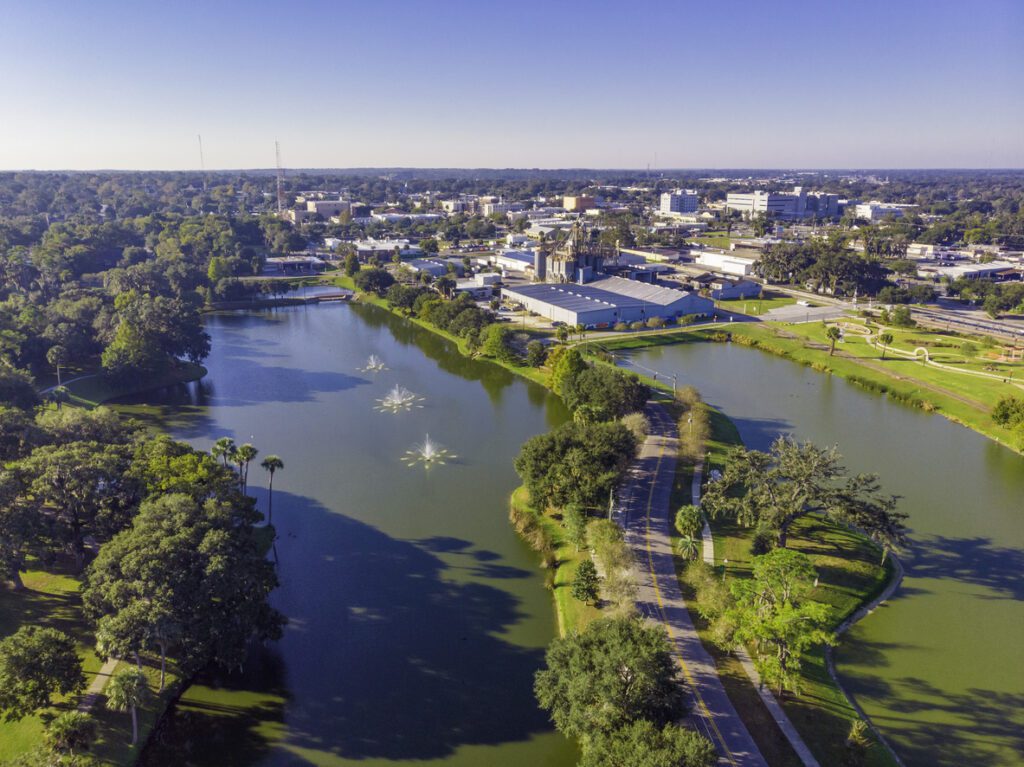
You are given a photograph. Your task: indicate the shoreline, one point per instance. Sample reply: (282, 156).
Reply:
(91, 390)
(906, 391)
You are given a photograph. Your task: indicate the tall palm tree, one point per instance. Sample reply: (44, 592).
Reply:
(126, 691)
(271, 463)
(223, 449)
(243, 455)
(886, 339)
(833, 334)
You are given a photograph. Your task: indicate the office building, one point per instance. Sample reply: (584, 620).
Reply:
(679, 201)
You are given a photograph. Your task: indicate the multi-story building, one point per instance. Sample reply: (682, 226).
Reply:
(795, 204)
(327, 208)
(680, 201)
(489, 208)
(578, 202)
(876, 211)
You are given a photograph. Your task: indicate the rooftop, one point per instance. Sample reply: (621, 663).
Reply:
(608, 292)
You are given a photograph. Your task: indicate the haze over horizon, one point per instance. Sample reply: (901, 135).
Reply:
(597, 85)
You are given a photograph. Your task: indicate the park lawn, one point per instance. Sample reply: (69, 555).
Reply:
(95, 390)
(572, 614)
(943, 347)
(961, 398)
(714, 240)
(757, 306)
(51, 598)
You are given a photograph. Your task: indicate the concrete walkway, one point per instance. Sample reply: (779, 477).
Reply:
(643, 512)
(95, 688)
(769, 700)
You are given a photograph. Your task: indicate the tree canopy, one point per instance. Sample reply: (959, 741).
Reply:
(773, 490)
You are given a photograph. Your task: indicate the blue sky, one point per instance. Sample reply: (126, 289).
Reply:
(731, 83)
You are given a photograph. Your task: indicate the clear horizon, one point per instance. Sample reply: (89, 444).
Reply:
(675, 86)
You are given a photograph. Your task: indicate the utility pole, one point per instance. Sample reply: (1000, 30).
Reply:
(202, 164)
(280, 174)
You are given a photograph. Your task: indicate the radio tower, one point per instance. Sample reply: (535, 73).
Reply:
(280, 175)
(202, 165)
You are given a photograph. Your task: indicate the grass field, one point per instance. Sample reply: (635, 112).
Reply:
(52, 599)
(757, 306)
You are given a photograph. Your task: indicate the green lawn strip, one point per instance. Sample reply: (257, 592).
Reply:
(572, 614)
(96, 389)
(960, 398)
(757, 306)
(52, 599)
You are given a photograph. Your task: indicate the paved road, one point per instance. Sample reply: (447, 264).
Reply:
(643, 511)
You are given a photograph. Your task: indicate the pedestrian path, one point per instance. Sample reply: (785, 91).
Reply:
(95, 688)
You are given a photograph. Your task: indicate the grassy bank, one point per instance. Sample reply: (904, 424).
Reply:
(965, 399)
(94, 389)
(51, 598)
(545, 535)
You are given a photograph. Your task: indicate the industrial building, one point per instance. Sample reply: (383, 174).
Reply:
(725, 263)
(604, 302)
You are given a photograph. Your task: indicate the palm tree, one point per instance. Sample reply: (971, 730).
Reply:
(58, 357)
(689, 547)
(223, 449)
(271, 463)
(833, 334)
(886, 339)
(71, 731)
(126, 691)
(243, 455)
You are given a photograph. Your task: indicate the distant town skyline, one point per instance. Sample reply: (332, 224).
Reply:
(670, 85)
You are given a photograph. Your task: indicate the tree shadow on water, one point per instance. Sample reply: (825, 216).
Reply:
(384, 657)
(978, 561)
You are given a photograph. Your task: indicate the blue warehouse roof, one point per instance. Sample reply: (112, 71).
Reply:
(575, 298)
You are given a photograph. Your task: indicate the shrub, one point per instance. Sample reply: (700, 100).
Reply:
(655, 323)
(638, 325)
(620, 326)
(1009, 412)
(638, 424)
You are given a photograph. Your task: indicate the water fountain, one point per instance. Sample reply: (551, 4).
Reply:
(427, 454)
(374, 364)
(399, 399)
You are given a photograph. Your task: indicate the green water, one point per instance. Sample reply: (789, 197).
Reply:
(417, 618)
(940, 668)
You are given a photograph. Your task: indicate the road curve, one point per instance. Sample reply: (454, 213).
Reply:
(643, 511)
